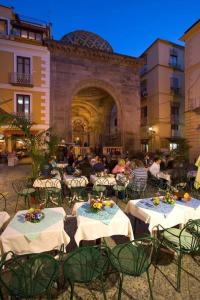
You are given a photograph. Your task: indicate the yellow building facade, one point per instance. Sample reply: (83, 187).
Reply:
(192, 89)
(162, 96)
(24, 73)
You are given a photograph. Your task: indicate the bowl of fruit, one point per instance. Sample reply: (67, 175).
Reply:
(169, 199)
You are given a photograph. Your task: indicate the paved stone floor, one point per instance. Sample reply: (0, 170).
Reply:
(133, 288)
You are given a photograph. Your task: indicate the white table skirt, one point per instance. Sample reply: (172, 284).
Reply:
(46, 183)
(72, 181)
(179, 215)
(108, 180)
(48, 239)
(4, 217)
(91, 229)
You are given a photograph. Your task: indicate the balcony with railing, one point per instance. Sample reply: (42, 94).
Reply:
(175, 133)
(176, 66)
(175, 119)
(175, 91)
(21, 79)
(23, 115)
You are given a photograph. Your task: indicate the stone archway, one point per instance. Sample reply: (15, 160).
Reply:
(98, 112)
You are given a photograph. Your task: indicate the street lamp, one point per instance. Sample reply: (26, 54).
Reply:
(152, 134)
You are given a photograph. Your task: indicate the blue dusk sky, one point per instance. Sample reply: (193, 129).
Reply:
(130, 26)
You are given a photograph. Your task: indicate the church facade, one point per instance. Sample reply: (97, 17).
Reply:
(94, 92)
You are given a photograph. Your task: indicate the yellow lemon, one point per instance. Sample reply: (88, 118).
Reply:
(186, 195)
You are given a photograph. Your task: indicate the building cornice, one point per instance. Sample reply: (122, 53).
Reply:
(112, 58)
(190, 31)
(166, 42)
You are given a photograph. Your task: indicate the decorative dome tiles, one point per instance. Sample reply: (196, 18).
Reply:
(86, 39)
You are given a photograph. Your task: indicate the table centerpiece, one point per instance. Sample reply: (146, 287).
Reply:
(34, 215)
(97, 204)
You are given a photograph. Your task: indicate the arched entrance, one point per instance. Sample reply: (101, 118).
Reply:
(95, 118)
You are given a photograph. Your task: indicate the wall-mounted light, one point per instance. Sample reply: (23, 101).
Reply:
(151, 130)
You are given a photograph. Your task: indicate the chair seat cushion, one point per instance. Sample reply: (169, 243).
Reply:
(119, 188)
(99, 188)
(130, 259)
(27, 191)
(172, 235)
(53, 190)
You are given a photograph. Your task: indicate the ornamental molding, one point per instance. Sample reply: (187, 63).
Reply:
(56, 47)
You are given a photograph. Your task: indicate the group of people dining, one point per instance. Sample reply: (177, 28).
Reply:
(124, 169)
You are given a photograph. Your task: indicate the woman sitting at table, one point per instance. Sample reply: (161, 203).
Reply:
(139, 174)
(120, 167)
(99, 166)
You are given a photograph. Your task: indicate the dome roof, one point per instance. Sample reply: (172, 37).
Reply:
(86, 39)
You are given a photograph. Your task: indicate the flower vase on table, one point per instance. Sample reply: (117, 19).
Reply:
(99, 204)
(34, 215)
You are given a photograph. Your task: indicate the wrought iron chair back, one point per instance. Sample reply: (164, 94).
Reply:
(28, 276)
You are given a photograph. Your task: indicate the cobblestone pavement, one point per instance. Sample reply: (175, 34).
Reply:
(133, 288)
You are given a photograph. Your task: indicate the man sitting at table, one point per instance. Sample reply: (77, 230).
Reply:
(154, 170)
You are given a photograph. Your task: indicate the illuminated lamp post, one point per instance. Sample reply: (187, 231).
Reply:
(152, 135)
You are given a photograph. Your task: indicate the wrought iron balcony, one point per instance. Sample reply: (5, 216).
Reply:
(175, 119)
(175, 133)
(27, 116)
(175, 90)
(175, 66)
(21, 79)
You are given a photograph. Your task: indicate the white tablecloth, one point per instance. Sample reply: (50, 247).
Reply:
(105, 180)
(4, 217)
(179, 215)
(44, 183)
(50, 237)
(72, 181)
(91, 229)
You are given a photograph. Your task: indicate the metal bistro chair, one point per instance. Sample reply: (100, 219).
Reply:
(133, 259)
(23, 189)
(77, 188)
(120, 187)
(136, 189)
(53, 191)
(100, 186)
(182, 241)
(3, 201)
(28, 276)
(85, 265)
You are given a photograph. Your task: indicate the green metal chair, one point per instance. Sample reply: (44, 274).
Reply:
(182, 241)
(53, 192)
(133, 259)
(120, 189)
(85, 265)
(28, 276)
(23, 189)
(136, 189)
(3, 201)
(77, 188)
(100, 185)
